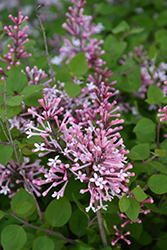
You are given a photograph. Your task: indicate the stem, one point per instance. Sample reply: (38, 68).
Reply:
(42, 229)
(144, 162)
(17, 158)
(100, 222)
(45, 43)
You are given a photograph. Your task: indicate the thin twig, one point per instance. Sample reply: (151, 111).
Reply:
(42, 229)
(101, 228)
(17, 158)
(45, 43)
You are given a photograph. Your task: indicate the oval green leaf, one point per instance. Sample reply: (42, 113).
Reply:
(19, 201)
(43, 243)
(124, 204)
(158, 183)
(13, 237)
(133, 210)
(139, 194)
(78, 65)
(58, 212)
(23, 207)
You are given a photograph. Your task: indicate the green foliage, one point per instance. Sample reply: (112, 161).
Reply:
(23, 204)
(139, 152)
(43, 243)
(78, 65)
(154, 95)
(72, 89)
(31, 94)
(5, 153)
(158, 183)
(133, 211)
(145, 130)
(139, 194)
(124, 204)
(78, 222)
(13, 237)
(58, 212)
(124, 29)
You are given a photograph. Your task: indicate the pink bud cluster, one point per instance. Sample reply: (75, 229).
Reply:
(119, 233)
(11, 176)
(19, 37)
(36, 76)
(93, 147)
(80, 28)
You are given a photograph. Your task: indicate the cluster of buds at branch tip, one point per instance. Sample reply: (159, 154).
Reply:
(16, 50)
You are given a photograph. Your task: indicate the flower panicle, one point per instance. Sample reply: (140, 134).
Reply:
(19, 37)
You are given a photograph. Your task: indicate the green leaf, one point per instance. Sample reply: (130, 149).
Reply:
(13, 237)
(11, 112)
(160, 152)
(164, 100)
(133, 210)
(14, 100)
(154, 95)
(145, 130)
(83, 246)
(121, 27)
(134, 80)
(161, 244)
(80, 206)
(2, 214)
(72, 89)
(58, 212)
(135, 31)
(29, 44)
(63, 75)
(16, 80)
(139, 194)
(70, 190)
(43, 243)
(30, 239)
(145, 239)
(0, 25)
(5, 153)
(152, 207)
(23, 207)
(114, 47)
(135, 230)
(78, 65)
(158, 183)
(31, 94)
(78, 222)
(19, 201)
(164, 207)
(58, 242)
(26, 149)
(124, 203)
(144, 126)
(139, 152)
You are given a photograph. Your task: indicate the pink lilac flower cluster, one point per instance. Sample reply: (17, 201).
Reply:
(16, 52)
(94, 148)
(11, 176)
(80, 28)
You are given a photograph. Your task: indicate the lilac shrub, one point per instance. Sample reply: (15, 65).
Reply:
(79, 138)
